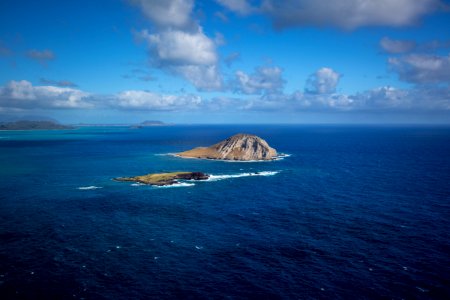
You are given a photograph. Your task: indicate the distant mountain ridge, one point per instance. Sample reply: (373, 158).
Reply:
(150, 123)
(33, 125)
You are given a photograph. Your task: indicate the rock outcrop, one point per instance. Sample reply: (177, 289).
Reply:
(240, 147)
(161, 179)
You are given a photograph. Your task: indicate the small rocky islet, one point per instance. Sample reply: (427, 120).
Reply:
(239, 147)
(162, 179)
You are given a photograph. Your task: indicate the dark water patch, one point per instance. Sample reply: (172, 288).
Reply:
(354, 212)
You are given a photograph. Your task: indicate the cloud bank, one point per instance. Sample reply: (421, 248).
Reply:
(22, 95)
(422, 68)
(344, 14)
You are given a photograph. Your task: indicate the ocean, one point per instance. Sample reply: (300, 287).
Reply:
(351, 212)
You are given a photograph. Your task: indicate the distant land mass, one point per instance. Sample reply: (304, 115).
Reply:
(150, 123)
(131, 125)
(33, 125)
(239, 147)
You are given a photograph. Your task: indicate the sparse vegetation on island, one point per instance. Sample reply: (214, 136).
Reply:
(161, 179)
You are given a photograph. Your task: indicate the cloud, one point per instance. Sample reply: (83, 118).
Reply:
(176, 47)
(323, 81)
(345, 14)
(396, 46)
(263, 80)
(422, 68)
(189, 54)
(23, 95)
(180, 46)
(389, 98)
(41, 56)
(167, 13)
(380, 99)
(241, 7)
(298, 101)
(205, 78)
(60, 83)
(144, 100)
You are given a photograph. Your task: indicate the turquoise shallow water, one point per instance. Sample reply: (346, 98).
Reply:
(352, 212)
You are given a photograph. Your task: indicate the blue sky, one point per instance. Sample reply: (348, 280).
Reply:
(226, 61)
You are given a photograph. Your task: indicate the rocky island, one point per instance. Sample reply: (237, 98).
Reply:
(161, 179)
(239, 147)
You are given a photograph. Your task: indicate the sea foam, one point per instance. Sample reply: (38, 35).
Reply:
(179, 184)
(91, 187)
(222, 177)
(282, 156)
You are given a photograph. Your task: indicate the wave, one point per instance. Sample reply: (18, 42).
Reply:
(179, 184)
(222, 177)
(278, 157)
(91, 187)
(164, 154)
(282, 156)
(188, 183)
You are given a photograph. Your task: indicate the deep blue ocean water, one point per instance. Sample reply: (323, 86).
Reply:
(353, 213)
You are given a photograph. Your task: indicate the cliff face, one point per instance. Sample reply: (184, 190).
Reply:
(243, 147)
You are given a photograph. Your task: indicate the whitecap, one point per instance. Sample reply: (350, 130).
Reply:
(137, 184)
(246, 161)
(91, 187)
(164, 154)
(282, 156)
(179, 184)
(222, 177)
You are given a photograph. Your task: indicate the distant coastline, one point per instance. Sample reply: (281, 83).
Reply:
(33, 125)
(131, 125)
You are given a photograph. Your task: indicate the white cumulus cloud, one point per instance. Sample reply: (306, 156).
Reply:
(144, 100)
(323, 81)
(178, 44)
(176, 47)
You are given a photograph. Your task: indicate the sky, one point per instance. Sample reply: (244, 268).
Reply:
(226, 61)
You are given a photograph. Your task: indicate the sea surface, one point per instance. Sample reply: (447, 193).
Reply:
(352, 212)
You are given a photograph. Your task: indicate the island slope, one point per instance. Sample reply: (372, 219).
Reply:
(239, 147)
